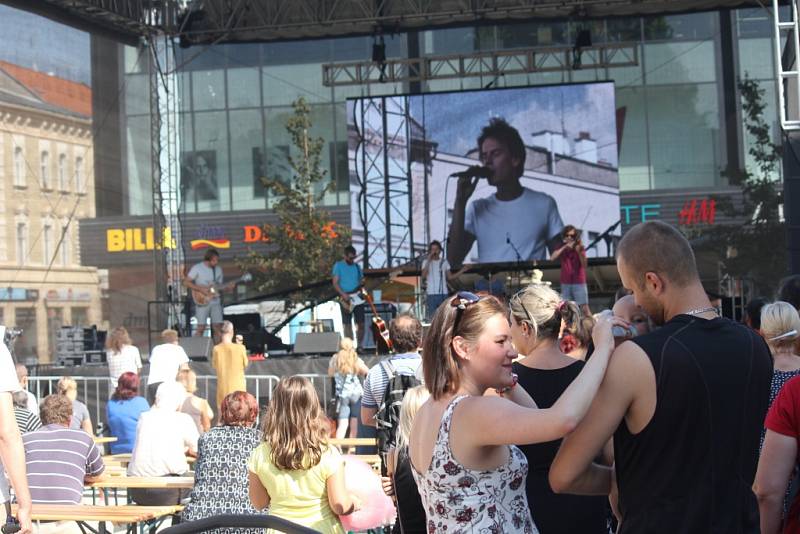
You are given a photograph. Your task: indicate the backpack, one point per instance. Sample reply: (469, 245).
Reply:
(388, 415)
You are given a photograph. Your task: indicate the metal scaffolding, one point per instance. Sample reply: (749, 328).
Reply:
(492, 64)
(383, 168)
(168, 254)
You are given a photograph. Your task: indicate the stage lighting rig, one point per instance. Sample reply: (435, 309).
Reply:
(379, 56)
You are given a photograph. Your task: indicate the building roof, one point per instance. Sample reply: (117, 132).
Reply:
(63, 95)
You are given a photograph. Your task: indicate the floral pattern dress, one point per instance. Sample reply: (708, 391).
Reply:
(458, 499)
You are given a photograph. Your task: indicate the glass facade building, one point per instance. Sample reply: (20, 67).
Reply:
(680, 110)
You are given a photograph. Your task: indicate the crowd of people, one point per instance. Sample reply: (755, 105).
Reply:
(524, 414)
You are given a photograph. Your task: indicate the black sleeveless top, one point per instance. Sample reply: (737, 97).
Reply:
(691, 469)
(552, 513)
(410, 512)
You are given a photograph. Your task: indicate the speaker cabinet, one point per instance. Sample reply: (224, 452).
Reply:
(322, 343)
(198, 349)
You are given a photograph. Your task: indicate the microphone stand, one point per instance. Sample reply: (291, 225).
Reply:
(516, 250)
(604, 235)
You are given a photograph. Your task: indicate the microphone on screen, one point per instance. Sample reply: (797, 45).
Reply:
(476, 171)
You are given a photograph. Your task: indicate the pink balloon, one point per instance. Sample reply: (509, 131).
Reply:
(377, 509)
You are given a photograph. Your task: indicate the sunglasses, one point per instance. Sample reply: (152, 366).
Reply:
(522, 305)
(462, 300)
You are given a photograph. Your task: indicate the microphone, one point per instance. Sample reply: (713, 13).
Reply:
(508, 238)
(475, 171)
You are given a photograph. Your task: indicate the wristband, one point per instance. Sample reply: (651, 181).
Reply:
(507, 389)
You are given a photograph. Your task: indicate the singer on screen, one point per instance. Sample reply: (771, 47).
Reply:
(529, 219)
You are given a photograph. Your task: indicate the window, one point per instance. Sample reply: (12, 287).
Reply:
(63, 182)
(65, 244)
(80, 316)
(44, 169)
(47, 242)
(19, 167)
(80, 187)
(22, 243)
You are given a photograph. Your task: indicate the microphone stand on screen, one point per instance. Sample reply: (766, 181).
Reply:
(513, 247)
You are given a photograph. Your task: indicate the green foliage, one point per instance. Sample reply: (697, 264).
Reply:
(306, 242)
(755, 248)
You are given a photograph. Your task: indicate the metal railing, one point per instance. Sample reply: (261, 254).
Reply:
(94, 391)
(239, 521)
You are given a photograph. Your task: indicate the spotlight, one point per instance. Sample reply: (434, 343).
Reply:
(582, 40)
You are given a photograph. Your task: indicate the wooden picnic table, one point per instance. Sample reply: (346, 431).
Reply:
(353, 442)
(124, 459)
(83, 513)
(104, 439)
(126, 482)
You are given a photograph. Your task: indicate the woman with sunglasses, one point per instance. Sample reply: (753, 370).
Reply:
(470, 475)
(545, 372)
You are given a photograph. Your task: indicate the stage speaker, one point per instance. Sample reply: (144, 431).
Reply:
(322, 343)
(198, 349)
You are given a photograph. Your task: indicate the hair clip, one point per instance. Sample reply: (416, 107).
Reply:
(790, 333)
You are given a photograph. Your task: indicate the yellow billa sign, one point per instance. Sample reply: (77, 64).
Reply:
(136, 239)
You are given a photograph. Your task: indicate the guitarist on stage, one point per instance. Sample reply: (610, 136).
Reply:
(202, 276)
(347, 281)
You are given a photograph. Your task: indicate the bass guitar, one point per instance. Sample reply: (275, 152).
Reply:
(353, 299)
(380, 332)
(203, 298)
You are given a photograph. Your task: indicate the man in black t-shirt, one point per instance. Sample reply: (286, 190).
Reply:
(685, 404)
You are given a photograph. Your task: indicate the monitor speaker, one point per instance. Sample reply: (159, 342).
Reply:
(322, 343)
(197, 348)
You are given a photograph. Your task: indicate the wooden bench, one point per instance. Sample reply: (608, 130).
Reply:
(104, 439)
(125, 482)
(353, 442)
(140, 516)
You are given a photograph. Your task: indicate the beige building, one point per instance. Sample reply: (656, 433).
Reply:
(46, 186)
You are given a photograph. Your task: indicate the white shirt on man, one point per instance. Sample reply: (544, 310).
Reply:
(165, 362)
(161, 438)
(436, 282)
(8, 384)
(528, 223)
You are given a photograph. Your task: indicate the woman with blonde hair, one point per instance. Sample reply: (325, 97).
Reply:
(346, 368)
(545, 371)
(196, 407)
(122, 356)
(294, 471)
(780, 327)
(80, 413)
(410, 512)
(470, 475)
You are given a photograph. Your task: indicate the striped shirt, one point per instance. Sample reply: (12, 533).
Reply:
(377, 379)
(27, 421)
(57, 460)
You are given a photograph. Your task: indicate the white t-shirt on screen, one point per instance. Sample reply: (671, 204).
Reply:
(528, 222)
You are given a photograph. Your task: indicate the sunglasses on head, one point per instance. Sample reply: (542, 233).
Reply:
(462, 300)
(518, 296)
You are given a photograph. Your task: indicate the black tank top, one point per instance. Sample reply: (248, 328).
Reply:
(553, 513)
(691, 469)
(410, 512)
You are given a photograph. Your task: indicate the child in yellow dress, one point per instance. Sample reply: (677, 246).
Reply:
(294, 471)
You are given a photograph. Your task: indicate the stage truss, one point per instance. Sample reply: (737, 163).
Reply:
(383, 161)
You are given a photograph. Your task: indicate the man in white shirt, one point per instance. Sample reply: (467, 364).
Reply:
(166, 361)
(514, 224)
(436, 272)
(12, 452)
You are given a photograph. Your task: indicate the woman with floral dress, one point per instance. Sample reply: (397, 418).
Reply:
(470, 476)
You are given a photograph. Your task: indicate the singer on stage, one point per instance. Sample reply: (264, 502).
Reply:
(528, 219)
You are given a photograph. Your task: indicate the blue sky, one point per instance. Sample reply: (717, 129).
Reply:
(454, 120)
(37, 43)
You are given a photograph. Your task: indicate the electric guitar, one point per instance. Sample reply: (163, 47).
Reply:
(202, 298)
(353, 299)
(379, 330)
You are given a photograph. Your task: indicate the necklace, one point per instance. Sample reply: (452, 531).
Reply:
(698, 311)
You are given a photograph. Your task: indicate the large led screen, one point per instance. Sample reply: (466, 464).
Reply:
(494, 175)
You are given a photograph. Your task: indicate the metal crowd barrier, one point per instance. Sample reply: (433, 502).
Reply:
(94, 391)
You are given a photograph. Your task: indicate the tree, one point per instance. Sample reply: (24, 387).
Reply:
(305, 243)
(755, 248)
